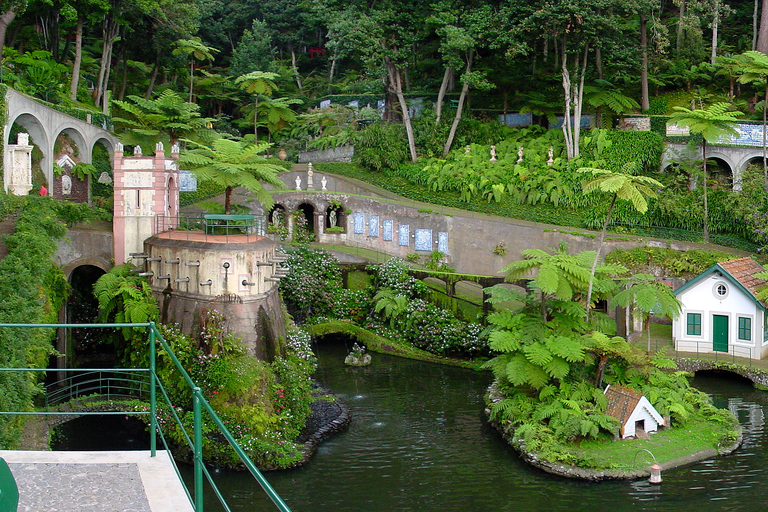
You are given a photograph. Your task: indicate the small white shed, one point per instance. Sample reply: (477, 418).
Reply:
(720, 311)
(633, 411)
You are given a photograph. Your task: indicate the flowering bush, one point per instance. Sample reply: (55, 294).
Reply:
(436, 330)
(394, 275)
(301, 229)
(351, 304)
(311, 284)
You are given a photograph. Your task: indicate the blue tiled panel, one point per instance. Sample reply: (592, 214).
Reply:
(387, 230)
(423, 240)
(359, 220)
(403, 234)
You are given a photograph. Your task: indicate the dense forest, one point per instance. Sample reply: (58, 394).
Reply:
(503, 56)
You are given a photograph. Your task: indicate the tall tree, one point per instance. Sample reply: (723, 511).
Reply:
(648, 296)
(621, 185)
(231, 164)
(257, 83)
(577, 27)
(196, 50)
(711, 122)
(754, 68)
(166, 119)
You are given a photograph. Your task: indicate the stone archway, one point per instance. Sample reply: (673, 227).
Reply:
(335, 216)
(83, 345)
(304, 223)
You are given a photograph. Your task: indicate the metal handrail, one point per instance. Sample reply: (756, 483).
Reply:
(197, 225)
(199, 403)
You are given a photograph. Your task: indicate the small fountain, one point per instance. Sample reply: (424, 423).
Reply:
(358, 357)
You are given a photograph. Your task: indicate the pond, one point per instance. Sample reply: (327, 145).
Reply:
(418, 441)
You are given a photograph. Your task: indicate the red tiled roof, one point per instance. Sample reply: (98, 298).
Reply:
(743, 270)
(622, 402)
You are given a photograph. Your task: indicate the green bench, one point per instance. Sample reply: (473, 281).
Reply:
(9, 492)
(214, 222)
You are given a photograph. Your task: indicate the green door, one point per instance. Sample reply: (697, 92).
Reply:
(720, 333)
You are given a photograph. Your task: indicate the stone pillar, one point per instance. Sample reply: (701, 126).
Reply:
(18, 176)
(146, 189)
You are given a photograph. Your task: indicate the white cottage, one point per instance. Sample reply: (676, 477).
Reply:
(720, 312)
(634, 412)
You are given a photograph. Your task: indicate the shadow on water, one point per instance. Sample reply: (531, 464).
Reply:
(101, 433)
(418, 441)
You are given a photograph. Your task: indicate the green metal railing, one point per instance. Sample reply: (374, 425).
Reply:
(124, 379)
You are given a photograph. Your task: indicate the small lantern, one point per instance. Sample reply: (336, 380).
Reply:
(655, 474)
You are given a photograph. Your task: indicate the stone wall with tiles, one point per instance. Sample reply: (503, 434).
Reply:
(379, 221)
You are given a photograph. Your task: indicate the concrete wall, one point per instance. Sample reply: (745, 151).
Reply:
(86, 245)
(340, 154)
(471, 237)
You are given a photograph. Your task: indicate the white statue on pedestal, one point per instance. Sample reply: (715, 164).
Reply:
(298, 182)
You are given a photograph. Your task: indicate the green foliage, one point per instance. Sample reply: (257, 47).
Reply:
(381, 146)
(124, 297)
(230, 164)
(166, 119)
(645, 148)
(35, 73)
(666, 262)
(33, 290)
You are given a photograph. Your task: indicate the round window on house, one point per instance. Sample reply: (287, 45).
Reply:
(720, 290)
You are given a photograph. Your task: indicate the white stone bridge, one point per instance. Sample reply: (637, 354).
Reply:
(44, 125)
(731, 153)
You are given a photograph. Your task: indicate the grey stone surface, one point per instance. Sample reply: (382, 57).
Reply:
(79, 487)
(128, 481)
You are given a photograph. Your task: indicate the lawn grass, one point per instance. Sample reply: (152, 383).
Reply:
(696, 435)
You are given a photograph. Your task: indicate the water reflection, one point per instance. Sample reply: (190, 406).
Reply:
(419, 442)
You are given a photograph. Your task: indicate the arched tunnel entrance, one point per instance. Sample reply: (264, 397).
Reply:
(84, 347)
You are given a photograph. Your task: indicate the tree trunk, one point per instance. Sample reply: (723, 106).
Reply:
(706, 208)
(153, 78)
(78, 59)
(715, 23)
(460, 108)
(296, 69)
(597, 257)
(227, 199)
(681, 15)
(331, 71)
(6, 19)
(567, 130)
(754, 25)
(762, 36)
(191, 75)
(645, 101)
(124, 77)
(396, 86)
(110, 30)
(441, 94)
(573, 99)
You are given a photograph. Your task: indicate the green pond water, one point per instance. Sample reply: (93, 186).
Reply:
(418, 441)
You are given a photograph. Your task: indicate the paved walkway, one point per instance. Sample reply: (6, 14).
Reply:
(130, 481)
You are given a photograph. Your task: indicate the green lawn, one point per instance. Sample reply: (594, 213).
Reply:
(695, 436)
